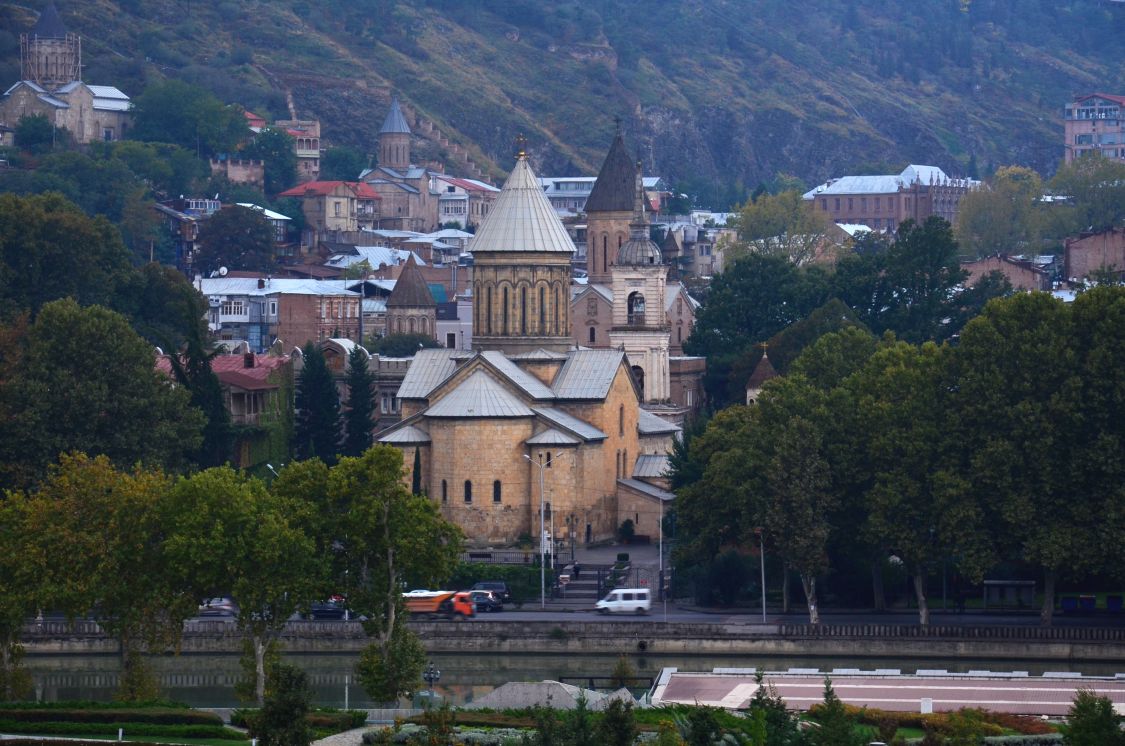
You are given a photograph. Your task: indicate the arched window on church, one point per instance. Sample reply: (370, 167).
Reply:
(636, 308)
(468, 490)
(542, 310)
(424, 325)
(523, 311)
(444, 491)
(639, 375)
(496, 491)
(605, 253)
(592, 335)
(488, 311)
(621, 420)
(410, 324)
(505, 328)
(558, 309)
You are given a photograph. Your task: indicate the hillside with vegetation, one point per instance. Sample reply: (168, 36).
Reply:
(716, 95)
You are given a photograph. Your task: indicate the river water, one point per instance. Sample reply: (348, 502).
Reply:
(208, 680)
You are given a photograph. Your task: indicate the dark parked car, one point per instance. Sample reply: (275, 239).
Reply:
(498, 587)
(486, 601)
(217, 607)
(333, 609)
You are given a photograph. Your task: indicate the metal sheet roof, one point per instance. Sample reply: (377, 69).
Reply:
(651, 466)
(522, 219)
(561, 419)
(587, 374)
(531, 385)
(479, 395)
(552, 437)
(429, 368)
(650, 424)
(269, 214)
(647, 489)
(292, 286)
(395, 121)
(405, 436)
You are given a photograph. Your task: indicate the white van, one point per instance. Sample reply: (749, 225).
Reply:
(625, 601)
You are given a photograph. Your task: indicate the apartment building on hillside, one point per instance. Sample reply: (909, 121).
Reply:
(1095, 122)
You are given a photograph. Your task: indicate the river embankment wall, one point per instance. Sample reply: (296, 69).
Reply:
(625, 636)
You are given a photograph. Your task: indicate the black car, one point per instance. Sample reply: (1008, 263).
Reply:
(330, 610)
(498, 587)
(486, 601)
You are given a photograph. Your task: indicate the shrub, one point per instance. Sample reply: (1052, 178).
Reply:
(121, 714)
(133, 729)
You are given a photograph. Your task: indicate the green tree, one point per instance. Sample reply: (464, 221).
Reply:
(21, 567)
(277, 149)
(50, 250)
(1096, 187)
(35, 134)
(800, 504)
(1001, 219)
(341, 163)
(780, 724)
(579, 726)
(618, 726)
(918, 503)
(110, 523)
(179, 113)
(318, 408)
(1092, 721)
(782, 225)
(403, 345)
(361, 404)
(282, 720)
(837, 728)
(100, 186)
(169, 170)
(236, 238)
(89, 383)
(382, 539)
(232, 535)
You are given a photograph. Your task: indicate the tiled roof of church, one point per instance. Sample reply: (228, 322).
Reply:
(428, 368)
(552, 437)
(411, 289)
(613, 191)
(763, 372)
(650, 424)
(395, 121)
(49, 25)
(587, 374)
(531, 385)
(561, 419)
(408, 435)
(479, 395)
(522, 219)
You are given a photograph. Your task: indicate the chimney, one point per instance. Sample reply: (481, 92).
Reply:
(261, 282)
(248, 360)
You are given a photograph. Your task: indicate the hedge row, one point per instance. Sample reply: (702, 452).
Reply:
(939, 721)
(150, 715)
(131, 729)
(321, 719)
(67, 742)
(1047, 739)
(87, 704)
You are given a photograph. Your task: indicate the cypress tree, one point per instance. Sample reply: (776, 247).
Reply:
(317, 432)
(416, 481)
(361, 404)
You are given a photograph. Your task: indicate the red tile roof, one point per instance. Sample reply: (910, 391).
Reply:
(324, 188)
(465, 184)
(231, 370)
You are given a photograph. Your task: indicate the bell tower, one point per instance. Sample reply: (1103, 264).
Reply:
(50, 56)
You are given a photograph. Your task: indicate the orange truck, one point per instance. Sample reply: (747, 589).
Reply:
(449, 604)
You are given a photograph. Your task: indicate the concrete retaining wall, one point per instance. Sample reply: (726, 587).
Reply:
(569, 638)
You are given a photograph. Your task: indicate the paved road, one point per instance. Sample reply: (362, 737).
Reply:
(1020, 695)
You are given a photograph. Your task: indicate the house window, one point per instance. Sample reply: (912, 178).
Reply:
(837, 205)
(850, 204)
(444, 491)
(336, 207)
(496, 491)
(107, 134)
(824, 204)
(468, 490)
(273, 308)
(231, 308)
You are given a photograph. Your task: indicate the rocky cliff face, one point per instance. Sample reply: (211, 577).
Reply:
(716, 95)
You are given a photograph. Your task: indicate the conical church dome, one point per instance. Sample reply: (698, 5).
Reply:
(522, 219)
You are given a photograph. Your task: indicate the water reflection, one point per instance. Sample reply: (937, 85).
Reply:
(208, 680)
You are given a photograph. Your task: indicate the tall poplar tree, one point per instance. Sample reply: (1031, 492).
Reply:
(361, 404)
(318, 409)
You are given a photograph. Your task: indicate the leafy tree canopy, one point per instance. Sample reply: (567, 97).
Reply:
(275, 147)
(236, 238)
(341, 163)
(182, 114)
(403, 345)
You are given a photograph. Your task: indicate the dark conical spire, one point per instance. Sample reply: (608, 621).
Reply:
(411, 289)
(616, 184)
(49, 25)
(395, 123)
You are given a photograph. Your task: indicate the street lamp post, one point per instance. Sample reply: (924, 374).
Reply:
(762, 557)
(431, 676)
(542, 535)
